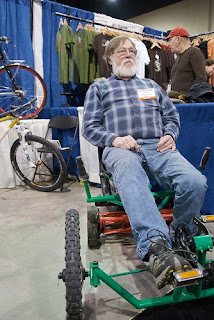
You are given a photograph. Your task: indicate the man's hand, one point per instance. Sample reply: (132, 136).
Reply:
(166, 142)
(127, 142)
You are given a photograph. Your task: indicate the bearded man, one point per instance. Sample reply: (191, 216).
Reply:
(137, 125)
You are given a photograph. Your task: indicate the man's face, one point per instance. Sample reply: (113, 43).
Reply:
(123, 60)
(210, 70)
(174, 44)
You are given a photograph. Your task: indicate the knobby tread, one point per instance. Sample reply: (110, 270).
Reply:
(74, 270)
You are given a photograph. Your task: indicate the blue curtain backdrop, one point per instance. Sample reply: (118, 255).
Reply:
(15, 23)
(197, 132)
(50, 24)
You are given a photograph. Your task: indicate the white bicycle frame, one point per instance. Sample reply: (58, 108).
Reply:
(22, 131)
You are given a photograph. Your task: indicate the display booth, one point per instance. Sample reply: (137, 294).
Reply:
(35, 43)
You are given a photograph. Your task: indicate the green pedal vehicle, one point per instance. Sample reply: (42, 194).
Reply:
(196, 283)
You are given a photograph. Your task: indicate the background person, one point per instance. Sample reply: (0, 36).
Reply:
(188, 68)
(136, 123)
(209, 67)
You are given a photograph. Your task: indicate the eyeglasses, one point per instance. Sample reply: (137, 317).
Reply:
(122, 52)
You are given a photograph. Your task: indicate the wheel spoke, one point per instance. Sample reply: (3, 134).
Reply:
(51, 171)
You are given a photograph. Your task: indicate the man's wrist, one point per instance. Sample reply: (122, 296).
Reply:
(170, 134)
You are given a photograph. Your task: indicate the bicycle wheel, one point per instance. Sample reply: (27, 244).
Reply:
(47, 171)
(25, 85)
(74, 274)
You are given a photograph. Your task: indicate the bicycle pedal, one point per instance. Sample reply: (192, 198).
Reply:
(189, 277)
(207, 218)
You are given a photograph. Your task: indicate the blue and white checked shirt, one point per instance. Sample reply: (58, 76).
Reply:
(112, 108)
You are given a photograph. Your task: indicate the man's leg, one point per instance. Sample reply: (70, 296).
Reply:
(149, 228)
(172, 171)
(132, 184)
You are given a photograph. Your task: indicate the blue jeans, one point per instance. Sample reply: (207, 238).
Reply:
(130, 171)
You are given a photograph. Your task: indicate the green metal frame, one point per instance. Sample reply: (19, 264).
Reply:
(180, 294)
(115, 199)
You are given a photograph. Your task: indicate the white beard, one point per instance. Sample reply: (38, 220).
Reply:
(123, 71)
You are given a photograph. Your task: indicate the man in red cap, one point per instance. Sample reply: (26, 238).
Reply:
(188, 68)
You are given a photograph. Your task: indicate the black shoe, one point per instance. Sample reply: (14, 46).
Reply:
(163, 262)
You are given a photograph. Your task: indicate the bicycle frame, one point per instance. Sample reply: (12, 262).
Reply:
(21, 134)
(5, 65)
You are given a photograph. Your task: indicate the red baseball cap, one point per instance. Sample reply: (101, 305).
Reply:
(179, 31)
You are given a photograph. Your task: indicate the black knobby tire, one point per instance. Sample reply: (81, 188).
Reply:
(93, 227)
(49, 172)
(74, 272)
(28, 84)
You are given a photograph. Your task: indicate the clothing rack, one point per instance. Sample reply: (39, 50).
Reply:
(202, 34)
(104, 25)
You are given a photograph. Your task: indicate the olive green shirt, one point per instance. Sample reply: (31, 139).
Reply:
(64, 47)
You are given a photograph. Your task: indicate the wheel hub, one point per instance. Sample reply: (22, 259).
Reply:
(20, 93)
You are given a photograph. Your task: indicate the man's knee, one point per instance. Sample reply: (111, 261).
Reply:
(193, 182)
(202, 184)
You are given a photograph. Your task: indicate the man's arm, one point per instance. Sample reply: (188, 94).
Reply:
(92, 128)
(197, 62)
(171, 123)
(170, 115)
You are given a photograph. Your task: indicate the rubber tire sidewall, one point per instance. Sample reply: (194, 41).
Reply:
(62, 174)
(73, 275)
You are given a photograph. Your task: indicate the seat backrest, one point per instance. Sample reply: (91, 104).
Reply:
(63, 122)
(102, 167)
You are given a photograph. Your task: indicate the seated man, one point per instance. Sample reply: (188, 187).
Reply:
(137, 125)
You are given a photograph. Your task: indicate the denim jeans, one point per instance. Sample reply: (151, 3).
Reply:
(130, 171)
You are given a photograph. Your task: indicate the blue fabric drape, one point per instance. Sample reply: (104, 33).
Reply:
(15, 23)
(197, 132)
(154, 32)
(50, 24)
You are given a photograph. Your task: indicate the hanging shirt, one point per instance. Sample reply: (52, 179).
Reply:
(94, 71)
(99, 44)
(142, 57)
(82, 64)
(64, 47)
(159, 67)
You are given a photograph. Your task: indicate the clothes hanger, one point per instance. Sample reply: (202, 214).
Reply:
(65, 22)
(80, 26)
(155, 44)
(89, 27)
(195, 42)
(61, 23)
(114, 33)
(104, 30)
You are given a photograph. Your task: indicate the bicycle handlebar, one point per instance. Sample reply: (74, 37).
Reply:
(4, 114)
(204, 158)
(5, 39)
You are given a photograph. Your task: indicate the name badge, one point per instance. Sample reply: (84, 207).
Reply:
(145, 94)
